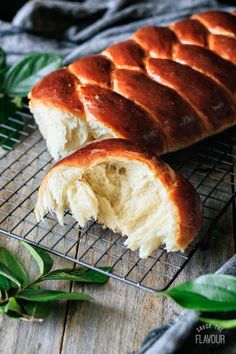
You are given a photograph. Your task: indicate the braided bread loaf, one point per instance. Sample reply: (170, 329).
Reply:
(166, 88)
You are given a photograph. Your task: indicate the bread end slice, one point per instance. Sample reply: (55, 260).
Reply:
(126, 189)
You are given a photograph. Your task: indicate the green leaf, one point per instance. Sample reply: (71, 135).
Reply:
(81, 274)
(2, 59)
(2, 76)
(2, 308)
(12, 309)
(3, 68)
(9, 129)
(37, 311)
(226, 324)
(12, 305)
(13, 314)
(45, 262)
(17, 101)
(41, 295)
(7, 108)
(12, 263)
(4, 283)
(7, 274)
(27, 311)
(209, 293)
(22, 76)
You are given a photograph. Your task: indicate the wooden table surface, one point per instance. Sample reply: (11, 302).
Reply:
(119, 318)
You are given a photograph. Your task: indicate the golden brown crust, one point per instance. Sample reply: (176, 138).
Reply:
(93, 69)
(224, 46)
(218, 22)
(204, 43)
(59, 89)
(190, 31)
(180, 191)
(156, 41)
(208, 63)
(190, 211)
(209, 100)
(127, 54)
(175, 116)
(123, 116)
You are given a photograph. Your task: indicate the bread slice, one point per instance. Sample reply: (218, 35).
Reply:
(126, 189)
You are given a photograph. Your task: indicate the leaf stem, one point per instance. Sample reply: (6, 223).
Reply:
(5, 299)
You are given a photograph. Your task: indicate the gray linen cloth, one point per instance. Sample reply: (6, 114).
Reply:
(74, 29)
(77, 28)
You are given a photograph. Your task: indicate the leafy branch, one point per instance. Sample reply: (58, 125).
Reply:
(17, 81)
(22, 298)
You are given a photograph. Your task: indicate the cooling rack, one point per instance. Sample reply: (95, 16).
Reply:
(208, 165)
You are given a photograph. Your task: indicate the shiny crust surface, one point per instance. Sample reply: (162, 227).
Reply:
(224, 46)
(172, 113)
(209, 99)
(218, 22)
(126, 54)
(59, 89)
(127, 120)
(180, 191)
(208, 63)
(177, 83)
(94, 69)
(190, 31)
(156, 41)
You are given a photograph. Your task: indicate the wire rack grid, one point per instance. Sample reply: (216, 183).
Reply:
(208, 165)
